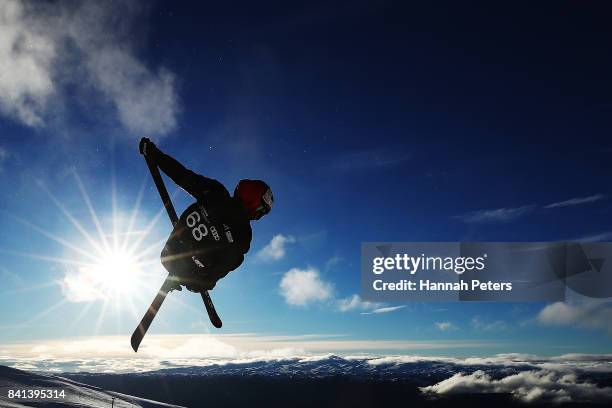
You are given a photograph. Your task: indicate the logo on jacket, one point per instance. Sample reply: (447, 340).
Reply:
(214, 232)
(228, 233)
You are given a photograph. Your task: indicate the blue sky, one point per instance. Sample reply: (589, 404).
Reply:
(370, 122)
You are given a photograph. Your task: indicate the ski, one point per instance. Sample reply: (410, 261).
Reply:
(142, 328)
(210, 309)
(161, 189)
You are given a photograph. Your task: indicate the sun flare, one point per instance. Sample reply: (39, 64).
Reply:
(105, 261)
(117, 272)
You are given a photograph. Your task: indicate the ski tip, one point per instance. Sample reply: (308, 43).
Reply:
(135, 341)
(217, 323)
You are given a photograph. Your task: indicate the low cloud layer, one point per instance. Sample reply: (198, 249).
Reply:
(114, 354)
(528, 378)
(57, 56)
(527, 386)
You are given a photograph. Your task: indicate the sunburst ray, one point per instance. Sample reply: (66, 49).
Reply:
(73, 221)
(92, 212)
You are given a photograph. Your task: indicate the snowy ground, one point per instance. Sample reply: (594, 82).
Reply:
(76, 394)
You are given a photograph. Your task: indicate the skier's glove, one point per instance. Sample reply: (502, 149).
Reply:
(147, 147)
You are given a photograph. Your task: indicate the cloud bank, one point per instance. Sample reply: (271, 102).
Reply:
(114, 354)
(55, 56)
(527, 378)
(526, 386)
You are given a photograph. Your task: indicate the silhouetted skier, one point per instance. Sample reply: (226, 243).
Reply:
(214, 233)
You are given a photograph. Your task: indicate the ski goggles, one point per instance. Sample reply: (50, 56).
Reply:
(266, 203)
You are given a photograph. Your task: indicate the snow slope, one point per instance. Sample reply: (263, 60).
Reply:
(76, 394)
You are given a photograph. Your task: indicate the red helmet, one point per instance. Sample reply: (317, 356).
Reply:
(256, 197)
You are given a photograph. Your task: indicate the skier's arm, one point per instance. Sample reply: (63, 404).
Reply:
(181, 175)
(193, 183)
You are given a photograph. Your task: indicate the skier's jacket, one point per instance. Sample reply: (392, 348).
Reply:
(212, 234)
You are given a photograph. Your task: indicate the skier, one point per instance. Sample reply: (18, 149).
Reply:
(214, 233)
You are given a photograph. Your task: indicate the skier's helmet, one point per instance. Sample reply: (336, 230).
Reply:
(256, 196)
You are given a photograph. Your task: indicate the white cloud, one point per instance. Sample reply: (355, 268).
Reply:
(592, 315)
(302, 287)
(26, 61)
(56, 55)
(333, 261)
(512, 213)
(81, 285)
(527, 386)
(388, 309)
(192, 347)
(576, 201)
(445, 326)
(355, 302)
(496, 215)
(483, 325)
(509, 359)
(275, 250)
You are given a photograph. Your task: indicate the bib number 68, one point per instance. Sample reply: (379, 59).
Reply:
(198, 231)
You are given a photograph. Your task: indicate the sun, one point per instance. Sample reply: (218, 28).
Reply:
(117, 273)
(113, 275)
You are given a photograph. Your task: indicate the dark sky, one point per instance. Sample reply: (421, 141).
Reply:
(509, 105)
